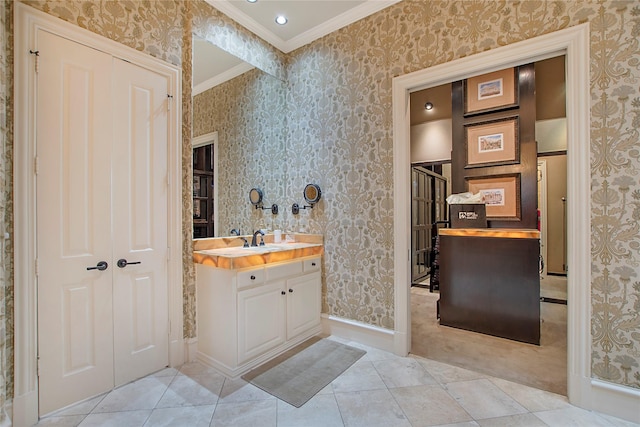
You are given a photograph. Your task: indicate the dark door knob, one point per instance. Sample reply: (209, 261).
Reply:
(102, 265)
(283, 293)
(291, 290)
(122, 263)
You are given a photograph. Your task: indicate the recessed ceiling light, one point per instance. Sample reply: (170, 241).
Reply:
(428, 106)
(281, 19)
(252, 1)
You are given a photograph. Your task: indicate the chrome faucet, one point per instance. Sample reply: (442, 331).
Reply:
(253, 240)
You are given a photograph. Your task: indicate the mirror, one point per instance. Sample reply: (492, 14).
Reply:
(246, 107)
(255, 196)
(312, 194)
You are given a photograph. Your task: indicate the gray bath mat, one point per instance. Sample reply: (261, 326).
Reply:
(297, 375)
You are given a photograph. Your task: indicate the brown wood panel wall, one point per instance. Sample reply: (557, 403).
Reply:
(525, 111)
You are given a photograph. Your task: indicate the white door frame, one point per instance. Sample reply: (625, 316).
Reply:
(573, 42)
(201, 141)
(27, 22)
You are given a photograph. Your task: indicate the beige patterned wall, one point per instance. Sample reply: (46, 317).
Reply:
(339, 136)
(217, 28)
(249, 115)
(6, 312)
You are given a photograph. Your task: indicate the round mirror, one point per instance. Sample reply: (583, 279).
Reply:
(255, 196)
(312, 193)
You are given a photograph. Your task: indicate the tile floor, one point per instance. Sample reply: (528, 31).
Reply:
(381, 389)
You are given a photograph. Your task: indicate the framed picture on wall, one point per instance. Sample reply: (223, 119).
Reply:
(501, 194)
(491, 91)
(492, 143)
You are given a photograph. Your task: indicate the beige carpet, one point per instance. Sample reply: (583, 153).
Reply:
(300, 373)
(543, 367)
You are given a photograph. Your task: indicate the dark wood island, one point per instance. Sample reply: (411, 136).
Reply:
(490, 283)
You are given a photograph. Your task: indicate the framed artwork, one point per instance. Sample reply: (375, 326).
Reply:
(491, 91)
(501, 194)
(492, 143)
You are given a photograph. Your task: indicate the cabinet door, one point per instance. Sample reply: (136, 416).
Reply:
(303, 303)
(261, 319)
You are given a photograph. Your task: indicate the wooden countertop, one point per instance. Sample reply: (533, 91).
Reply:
(505, 233)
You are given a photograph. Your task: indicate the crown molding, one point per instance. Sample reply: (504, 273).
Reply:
(359, 12)
(221, 78)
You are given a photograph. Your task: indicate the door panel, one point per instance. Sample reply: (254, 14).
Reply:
(140, 178)
(75, 332)
(101, 193)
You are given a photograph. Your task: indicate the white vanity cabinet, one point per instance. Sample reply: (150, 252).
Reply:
(246, 317)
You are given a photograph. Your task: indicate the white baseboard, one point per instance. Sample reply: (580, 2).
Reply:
(363, 333)
(25, 409)
(190, 350)
(615, 400)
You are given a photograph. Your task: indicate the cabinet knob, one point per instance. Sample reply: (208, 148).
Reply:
(253, 277)
(313, 264)
(283, 293)
(291, 290)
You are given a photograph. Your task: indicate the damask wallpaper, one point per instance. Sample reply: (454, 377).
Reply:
(6, 311)
(339, 135)
(340, 114)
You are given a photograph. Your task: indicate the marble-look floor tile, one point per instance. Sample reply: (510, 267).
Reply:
(572, 417)
(373, 354)
(116, 419)
(193, 416)
(371, 408)
(445, 373)
(520, 420)
(619, 422)
(82, 408)
(239, 391)
(320, 411)
(166, 372)
(192, 391)
(465, 424)
(260, 413)
(483, 399)
(195, 368)
(531, 398)
(360, 376)
(62, 421)
(403, 372)
(429, 405)
(141, 394)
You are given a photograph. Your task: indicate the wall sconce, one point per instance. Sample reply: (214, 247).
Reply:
(312, 195)
(255, 197)
(428, 106)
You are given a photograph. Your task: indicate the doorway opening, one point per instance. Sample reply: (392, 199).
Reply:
(205, 186)
(572, 42)
(543, 367)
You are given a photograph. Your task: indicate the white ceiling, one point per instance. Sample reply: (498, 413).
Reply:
(309, 20)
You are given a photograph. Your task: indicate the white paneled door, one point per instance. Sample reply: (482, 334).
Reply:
(101, 197)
